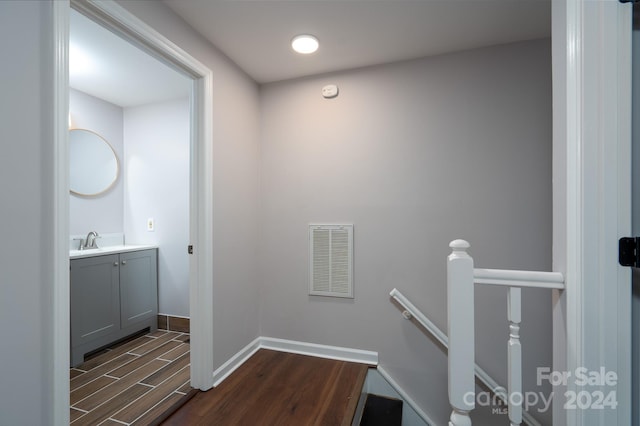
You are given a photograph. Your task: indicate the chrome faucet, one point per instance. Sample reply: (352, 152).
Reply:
(90, 241)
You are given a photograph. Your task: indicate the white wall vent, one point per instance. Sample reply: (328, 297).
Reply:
(331, 260)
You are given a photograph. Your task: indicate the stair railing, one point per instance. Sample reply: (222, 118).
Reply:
(411, 311)
(461, 277)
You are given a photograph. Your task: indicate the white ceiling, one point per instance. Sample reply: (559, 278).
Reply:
(105, 66)
(256, 34)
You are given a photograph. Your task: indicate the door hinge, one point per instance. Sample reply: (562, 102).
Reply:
(190, 249)
(628, 253)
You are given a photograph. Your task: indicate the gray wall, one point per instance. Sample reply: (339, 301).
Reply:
(156, 175)
(415, 154)
(235, 166)
(26, 212)
(101, 213)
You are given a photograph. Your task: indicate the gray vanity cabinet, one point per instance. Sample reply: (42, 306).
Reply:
(95, 298)
(112, 296)
(138, 287)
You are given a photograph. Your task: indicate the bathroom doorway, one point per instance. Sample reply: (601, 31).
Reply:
(136, 105)
(117, 20)
(122, 98)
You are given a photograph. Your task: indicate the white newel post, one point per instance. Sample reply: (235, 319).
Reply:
(460, 314)
(515, 356)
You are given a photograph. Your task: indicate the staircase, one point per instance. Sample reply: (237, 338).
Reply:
(281, 388)
(381, 411)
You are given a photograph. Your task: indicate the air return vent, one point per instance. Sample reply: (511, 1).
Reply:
(331, 260)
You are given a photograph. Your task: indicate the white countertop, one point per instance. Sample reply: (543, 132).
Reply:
(76, 254)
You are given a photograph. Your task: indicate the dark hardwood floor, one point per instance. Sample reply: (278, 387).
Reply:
(278, 388)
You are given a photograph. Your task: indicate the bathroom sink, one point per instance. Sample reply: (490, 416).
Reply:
(88, 252)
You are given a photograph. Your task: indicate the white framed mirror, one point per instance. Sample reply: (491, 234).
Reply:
(93, 163)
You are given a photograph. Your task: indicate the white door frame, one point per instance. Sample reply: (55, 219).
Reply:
(593, 113)
(117, 18)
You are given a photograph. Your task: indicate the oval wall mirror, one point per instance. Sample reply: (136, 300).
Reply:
(93, 163)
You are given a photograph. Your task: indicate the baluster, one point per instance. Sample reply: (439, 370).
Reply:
(515, 356)
(461, 333)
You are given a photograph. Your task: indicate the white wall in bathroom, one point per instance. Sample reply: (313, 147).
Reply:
(152, 145)
(156, 162)
(102, 213)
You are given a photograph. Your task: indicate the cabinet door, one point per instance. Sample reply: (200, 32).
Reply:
(138, 286)
(95, 298)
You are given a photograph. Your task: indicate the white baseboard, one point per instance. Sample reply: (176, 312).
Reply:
(235, 361)
(320, 351)
(291, 346)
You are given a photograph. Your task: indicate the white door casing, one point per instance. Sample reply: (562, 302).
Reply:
(60, 306)
(593, 113)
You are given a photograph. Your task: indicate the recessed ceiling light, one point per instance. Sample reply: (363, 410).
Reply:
(305, 44)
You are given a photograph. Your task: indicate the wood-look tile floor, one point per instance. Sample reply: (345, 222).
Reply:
(135, 383)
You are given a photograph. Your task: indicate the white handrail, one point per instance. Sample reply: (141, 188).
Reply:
(410, 311)
(512, 278)
(419, 316)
